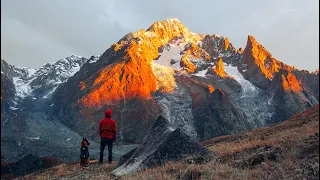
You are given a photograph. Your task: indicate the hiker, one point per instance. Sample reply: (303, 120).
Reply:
(107, 130)
(84, 153)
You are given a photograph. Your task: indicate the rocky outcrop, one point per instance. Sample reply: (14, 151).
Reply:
(217, 116)
(218, 69)
(7, 93)
(162, 144)
(290, 96)
(217, 46)
(310, 80)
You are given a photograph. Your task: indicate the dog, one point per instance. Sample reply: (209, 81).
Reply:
(84, 153)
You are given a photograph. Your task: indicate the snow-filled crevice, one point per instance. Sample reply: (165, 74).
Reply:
(248, 89)
(255, 103)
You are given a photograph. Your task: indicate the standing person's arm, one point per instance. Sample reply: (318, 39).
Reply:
(114, 131)
(100, 128)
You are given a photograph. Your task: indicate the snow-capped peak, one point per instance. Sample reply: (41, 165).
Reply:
(44, 79)
(94, 59)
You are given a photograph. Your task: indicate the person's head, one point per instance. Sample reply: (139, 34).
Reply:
(84, 142)
(108, 113)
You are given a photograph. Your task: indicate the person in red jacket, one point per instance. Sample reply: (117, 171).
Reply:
(108, 131)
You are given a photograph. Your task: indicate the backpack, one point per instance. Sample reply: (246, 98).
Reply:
(84, 152)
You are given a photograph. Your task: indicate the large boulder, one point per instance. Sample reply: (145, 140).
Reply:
(162, 144)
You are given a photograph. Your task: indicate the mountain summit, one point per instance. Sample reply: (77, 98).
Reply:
(137, 75)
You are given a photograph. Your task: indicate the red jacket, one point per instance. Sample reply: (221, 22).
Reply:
(108, 127)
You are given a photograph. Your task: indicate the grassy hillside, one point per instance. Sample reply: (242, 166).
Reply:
(289, 150)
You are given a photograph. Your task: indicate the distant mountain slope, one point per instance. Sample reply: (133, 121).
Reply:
(43, 81)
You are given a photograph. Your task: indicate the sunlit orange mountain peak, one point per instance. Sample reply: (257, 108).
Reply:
(256, 55)
(316, 72)
(132, 76)
(290, 82)
(219, 69)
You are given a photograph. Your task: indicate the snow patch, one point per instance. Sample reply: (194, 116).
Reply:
(248, 89)
(150, 34)
(95, 59)
(13, 108)
(23, 88)
(199, 43)
(74, 70)
(50, 93)
(35, 138)
(173, 53)
(31, 72)
(201, 73)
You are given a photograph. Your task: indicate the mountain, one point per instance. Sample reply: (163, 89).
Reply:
(25, 99)
(42, 82)
(196, 81)
(202, 84)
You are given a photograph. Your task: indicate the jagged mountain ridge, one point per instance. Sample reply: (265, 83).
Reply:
(135, 75)
(200, 83)
(42, 81)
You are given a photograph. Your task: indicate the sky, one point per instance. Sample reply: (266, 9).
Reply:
(36, 32)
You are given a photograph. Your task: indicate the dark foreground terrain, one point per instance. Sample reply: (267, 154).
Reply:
(289, 150)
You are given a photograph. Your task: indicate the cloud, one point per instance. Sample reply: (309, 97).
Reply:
(287, 28)
(78, 26)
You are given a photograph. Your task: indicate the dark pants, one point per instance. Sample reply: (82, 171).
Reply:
(84, 162)
(104, 142)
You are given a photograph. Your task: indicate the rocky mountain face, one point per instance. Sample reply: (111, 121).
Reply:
(7, 93)
(200, 83)
(167, 70)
